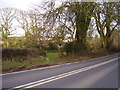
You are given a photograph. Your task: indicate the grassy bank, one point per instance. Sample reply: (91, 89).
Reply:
(51, 59)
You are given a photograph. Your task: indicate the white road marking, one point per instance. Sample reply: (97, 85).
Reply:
(76, 62)
(68, 63)
(32, 70)
(53, 66)
(50, 79)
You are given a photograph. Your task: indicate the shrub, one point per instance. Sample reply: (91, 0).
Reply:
(72, 47)
(69, 48)
(114, 48)
(52, 46)
(12, 53)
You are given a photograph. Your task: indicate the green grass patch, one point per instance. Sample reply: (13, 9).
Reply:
(52, 55)
(41, 60)
(13, 63)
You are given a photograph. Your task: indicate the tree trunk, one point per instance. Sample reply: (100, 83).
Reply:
(82, 25)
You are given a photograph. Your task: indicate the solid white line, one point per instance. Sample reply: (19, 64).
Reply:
(68, 63)
(101, 57)
(53, 66)
(32, 70)
(76, 62)
(43, 81)
(49, 66)
(71, 73)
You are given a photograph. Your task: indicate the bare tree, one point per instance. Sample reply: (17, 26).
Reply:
(7, 16)
(31, 22)
(75, 16)
(106, 18)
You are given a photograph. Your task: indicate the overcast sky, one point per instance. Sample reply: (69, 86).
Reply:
(21, 4)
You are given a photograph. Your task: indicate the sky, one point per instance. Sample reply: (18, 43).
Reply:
(20, 4)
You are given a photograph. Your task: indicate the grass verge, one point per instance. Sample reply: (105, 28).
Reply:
(51, 59)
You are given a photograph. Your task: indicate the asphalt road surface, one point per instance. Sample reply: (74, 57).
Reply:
(96, 73)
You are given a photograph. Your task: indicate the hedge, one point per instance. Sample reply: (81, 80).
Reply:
(12, 53)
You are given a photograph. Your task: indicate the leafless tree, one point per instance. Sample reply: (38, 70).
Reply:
(106, 18)
(7, 17)
(31, 22)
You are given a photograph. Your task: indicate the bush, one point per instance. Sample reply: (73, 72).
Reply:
(114, 48)
(12, 53)
(69, 48)
(52, 46)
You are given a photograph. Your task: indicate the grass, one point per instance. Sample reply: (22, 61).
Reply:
(12, 63)
(25, 63)
(7, 64)
(52, 55)
(52, 58)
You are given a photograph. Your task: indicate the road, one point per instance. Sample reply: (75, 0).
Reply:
(96, 73)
